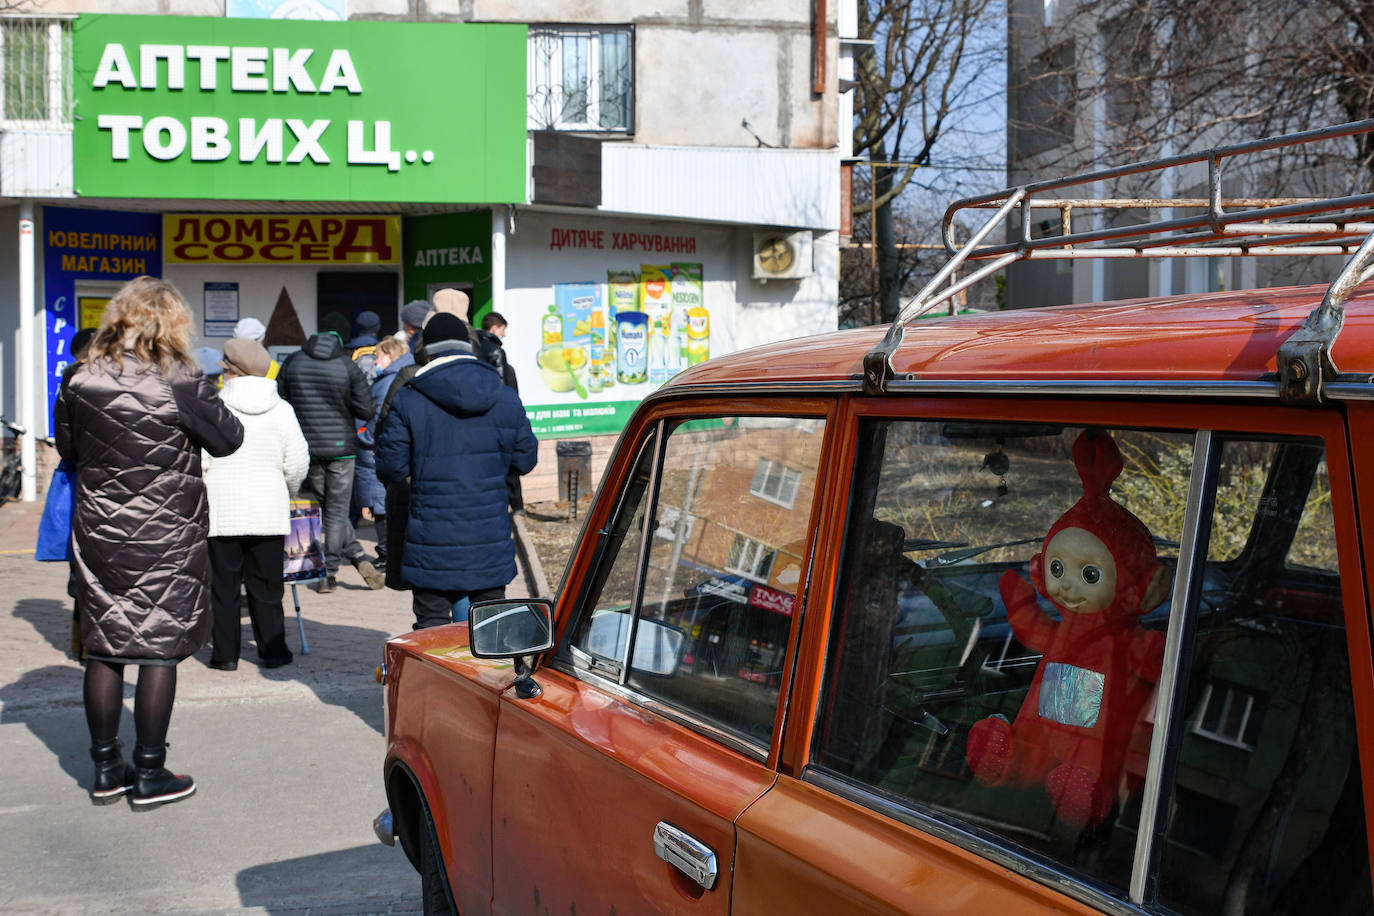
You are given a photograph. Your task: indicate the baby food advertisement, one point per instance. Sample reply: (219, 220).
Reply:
(604, 345)
(603, 313)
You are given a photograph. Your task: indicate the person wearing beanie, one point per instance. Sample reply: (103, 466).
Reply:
(250, 509)
(250, 329)
(413, 315)
(454, 431)
(253, 329)
(330, 396)
(455, 302)
(368, 324)
(363, 346)
(207, 358)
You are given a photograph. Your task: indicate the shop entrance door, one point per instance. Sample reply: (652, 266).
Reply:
(350, 292)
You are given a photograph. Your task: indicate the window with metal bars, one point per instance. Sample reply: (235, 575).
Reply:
(36, 70)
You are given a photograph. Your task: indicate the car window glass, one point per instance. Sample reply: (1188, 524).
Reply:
(1031, 727)
(599, 639)
(722, 571)
(725, 564)
(1266, 813)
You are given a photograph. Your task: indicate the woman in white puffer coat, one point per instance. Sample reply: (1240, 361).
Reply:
(250, 508)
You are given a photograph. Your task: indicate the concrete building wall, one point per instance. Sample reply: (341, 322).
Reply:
(701, 68)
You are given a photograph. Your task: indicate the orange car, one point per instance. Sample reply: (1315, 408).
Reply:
(1061, 610)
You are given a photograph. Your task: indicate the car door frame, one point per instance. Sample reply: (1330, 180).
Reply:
(940, 849)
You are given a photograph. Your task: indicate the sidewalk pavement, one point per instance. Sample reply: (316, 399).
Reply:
(287, 762)
(345, 629)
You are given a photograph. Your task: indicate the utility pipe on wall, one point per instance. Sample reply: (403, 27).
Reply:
(28, 355)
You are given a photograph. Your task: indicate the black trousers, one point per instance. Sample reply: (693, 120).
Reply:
(434, 608)
(379, 526)
(256, 563)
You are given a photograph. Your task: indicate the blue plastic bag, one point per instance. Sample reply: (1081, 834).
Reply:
(55, 528)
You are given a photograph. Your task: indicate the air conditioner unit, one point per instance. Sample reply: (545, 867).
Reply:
(782, 255)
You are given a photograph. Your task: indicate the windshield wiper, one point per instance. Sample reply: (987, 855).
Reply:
(911, 544)
(958, 556)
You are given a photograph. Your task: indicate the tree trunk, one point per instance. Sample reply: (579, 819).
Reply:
(885, 239)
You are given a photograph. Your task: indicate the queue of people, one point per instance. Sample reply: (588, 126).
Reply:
(184, 478)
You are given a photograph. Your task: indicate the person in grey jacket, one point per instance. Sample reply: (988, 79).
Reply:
(331, 400)
(132, 419)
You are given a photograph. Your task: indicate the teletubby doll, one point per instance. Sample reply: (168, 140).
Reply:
(1098, 567)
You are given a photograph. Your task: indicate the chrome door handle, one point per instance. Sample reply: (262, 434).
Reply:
(686, 853)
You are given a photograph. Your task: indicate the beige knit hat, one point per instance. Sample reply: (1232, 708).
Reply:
(451, 301)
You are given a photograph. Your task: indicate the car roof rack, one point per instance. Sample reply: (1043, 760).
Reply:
(1225, 227)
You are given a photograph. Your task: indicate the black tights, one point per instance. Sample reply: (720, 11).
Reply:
(104, 695)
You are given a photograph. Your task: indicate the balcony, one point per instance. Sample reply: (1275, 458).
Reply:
(36, 106)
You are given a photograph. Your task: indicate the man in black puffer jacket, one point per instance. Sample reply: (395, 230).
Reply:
(331, 397)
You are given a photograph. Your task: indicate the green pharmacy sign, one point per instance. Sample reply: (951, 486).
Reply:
(250, 109)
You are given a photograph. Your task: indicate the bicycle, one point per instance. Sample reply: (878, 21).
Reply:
(11, 471)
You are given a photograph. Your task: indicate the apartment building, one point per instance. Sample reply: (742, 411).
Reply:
(634, 187)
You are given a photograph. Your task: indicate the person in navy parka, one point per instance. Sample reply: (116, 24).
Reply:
(455, 430)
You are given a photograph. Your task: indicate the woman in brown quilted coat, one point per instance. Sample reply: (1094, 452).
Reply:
(132, 419)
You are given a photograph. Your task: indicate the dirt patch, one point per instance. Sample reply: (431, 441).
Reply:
(552, 532)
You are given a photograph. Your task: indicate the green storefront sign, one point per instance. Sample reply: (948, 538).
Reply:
(253, 109)
(448, 249)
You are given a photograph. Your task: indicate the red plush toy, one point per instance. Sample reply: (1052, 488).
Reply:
(1099, 568)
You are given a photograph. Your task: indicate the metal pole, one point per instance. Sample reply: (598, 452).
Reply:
(499, 215)
(28, 361)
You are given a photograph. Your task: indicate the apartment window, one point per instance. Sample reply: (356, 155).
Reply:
(1228, 714)
(750, 558)
(1046, 96)
(775, 482)
(36, 63)
(1127, 45)
(580, 78)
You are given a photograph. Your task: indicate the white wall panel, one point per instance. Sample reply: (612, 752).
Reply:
(36, 163)
(759, 187)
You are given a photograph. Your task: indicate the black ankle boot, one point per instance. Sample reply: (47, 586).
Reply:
(113, 777)
(153, 784)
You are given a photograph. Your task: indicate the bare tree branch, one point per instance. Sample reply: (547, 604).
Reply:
(911, 82)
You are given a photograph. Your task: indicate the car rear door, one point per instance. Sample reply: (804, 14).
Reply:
(1238, 786)
(617, 789)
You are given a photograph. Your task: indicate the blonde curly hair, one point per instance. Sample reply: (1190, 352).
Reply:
(149, 320)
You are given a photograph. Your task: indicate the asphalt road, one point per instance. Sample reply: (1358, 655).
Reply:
(287, 764)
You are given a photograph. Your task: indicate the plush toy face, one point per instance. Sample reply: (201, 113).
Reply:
(1080, 574)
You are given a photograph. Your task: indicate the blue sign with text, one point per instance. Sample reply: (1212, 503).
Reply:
(98, 249)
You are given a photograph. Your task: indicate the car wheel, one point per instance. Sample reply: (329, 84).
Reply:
(434, 890)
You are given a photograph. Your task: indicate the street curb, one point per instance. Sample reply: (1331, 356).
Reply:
(536, 584)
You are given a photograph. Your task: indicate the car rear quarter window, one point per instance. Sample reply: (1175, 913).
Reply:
(1266, 806)
(956, 690)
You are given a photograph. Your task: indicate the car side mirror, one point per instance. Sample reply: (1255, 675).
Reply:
(658, 646)
(505, 629)
(512, 629)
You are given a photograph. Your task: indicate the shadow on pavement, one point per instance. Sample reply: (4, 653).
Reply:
(362, 880)
(52, 618)
(340, 669)
(60, 725)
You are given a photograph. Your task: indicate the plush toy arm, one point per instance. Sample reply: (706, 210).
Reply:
(1032, 626)
(1147, 655)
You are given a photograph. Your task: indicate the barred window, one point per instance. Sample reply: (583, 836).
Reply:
(36, 60)
(580, 78)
